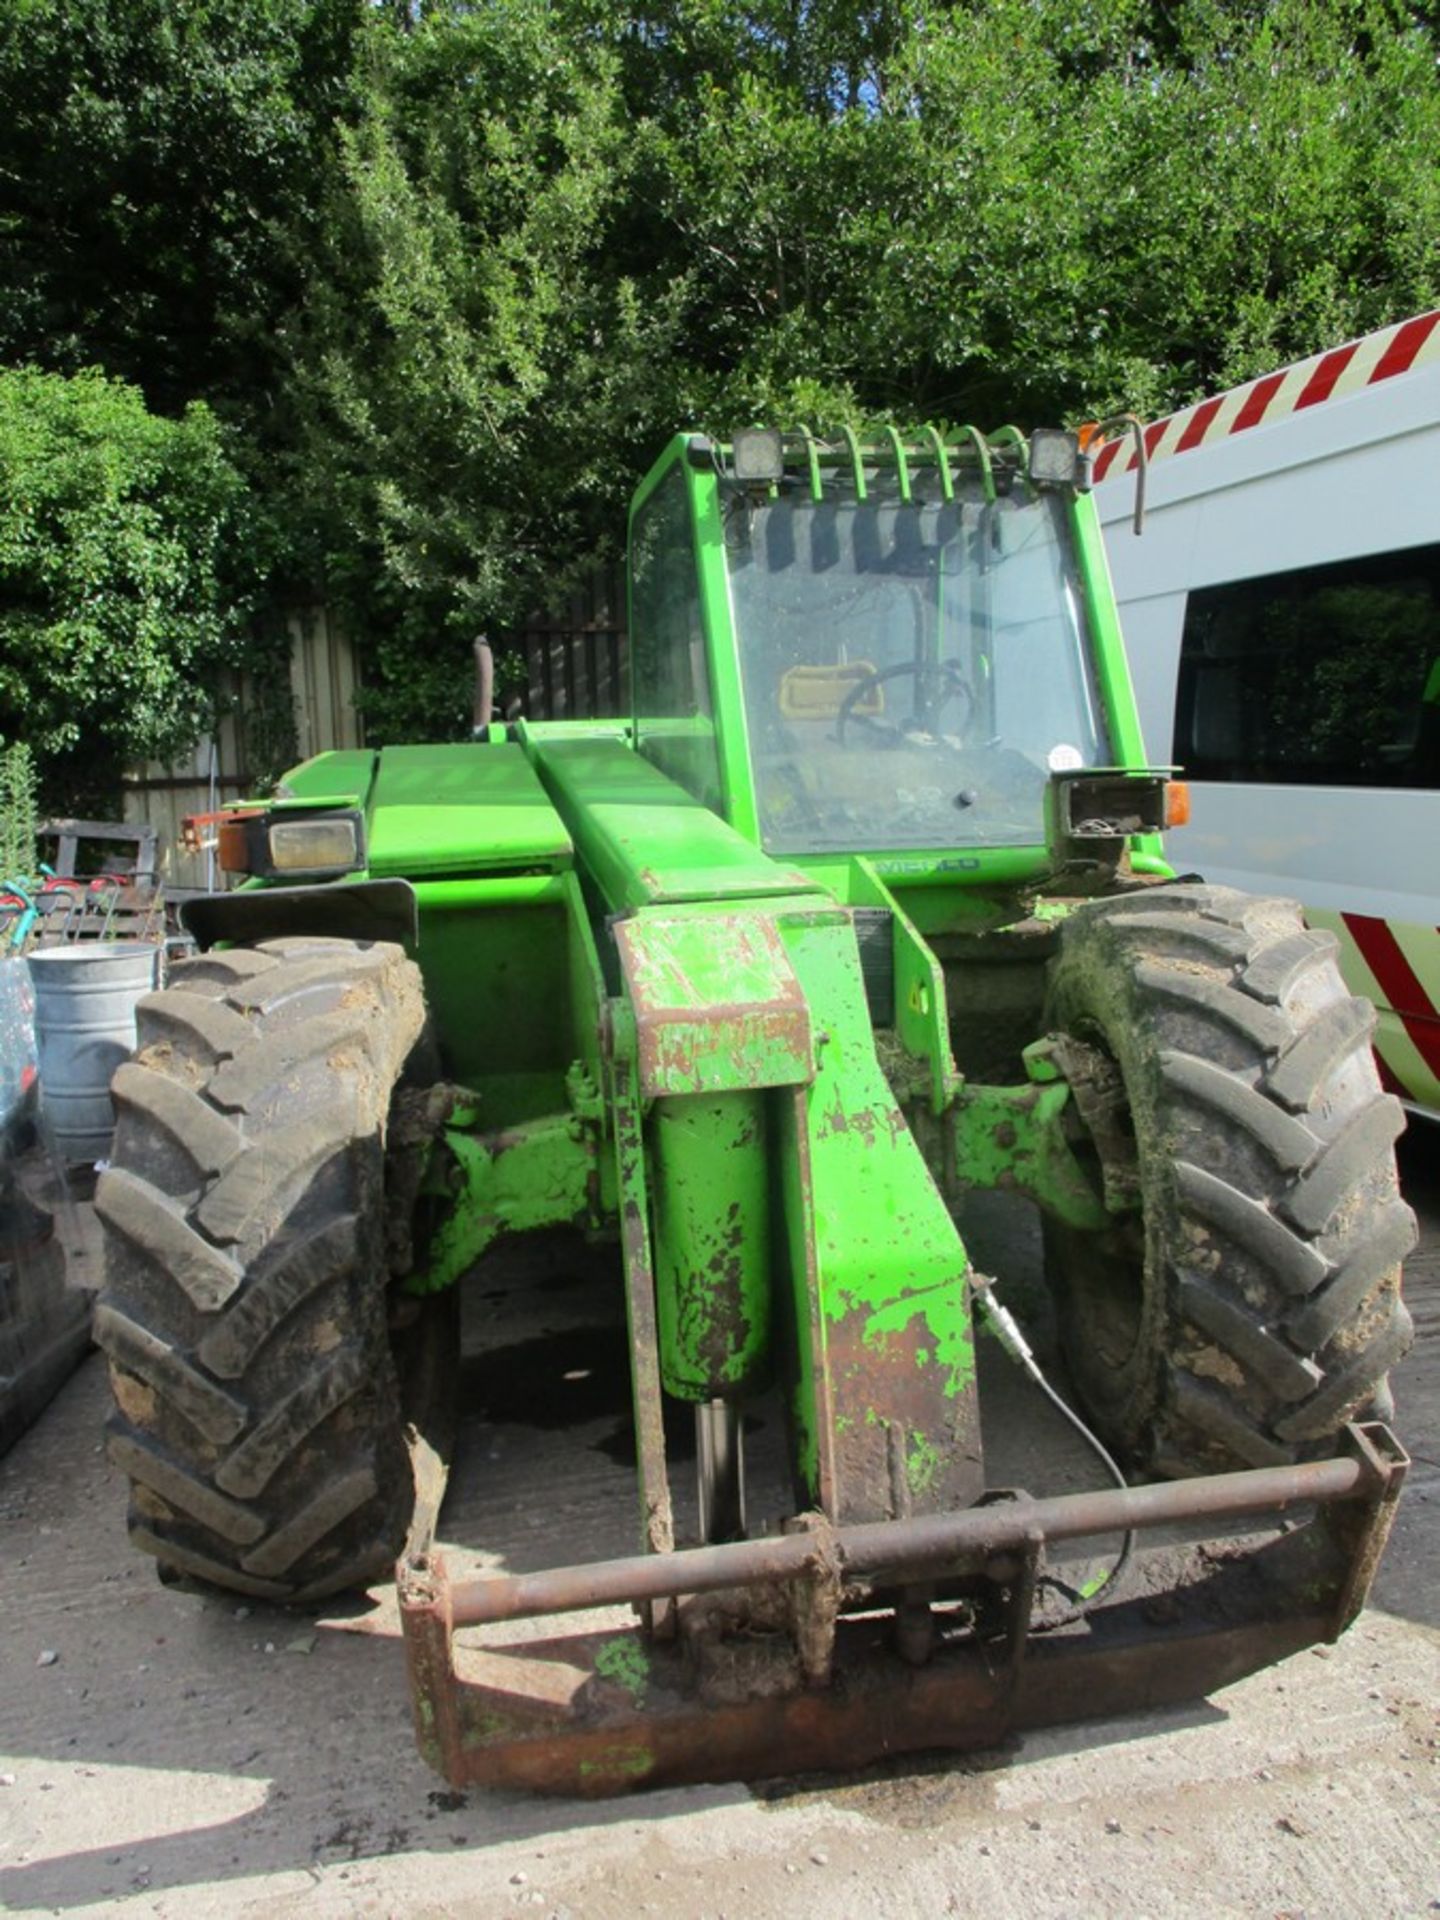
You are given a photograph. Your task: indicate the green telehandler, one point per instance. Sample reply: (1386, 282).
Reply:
(864, 909)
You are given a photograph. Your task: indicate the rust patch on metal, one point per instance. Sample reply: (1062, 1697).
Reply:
(641, 1313)
(906, 1446)
(602, 1713)
(692, 1042)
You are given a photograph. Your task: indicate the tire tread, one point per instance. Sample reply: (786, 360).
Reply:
(1274, 1227)
(258, 1417)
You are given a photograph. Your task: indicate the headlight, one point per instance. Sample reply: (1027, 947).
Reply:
(318, 844)
(327, 845)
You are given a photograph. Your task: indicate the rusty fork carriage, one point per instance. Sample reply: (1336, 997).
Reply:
(603, 1710)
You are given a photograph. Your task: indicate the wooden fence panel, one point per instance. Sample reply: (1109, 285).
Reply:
(323, 679)
(575, 667)
(575, 659)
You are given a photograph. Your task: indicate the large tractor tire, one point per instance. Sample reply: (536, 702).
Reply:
(244, 1312)
(1249, 1304)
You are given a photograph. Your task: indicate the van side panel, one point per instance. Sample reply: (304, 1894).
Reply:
(1351, 477)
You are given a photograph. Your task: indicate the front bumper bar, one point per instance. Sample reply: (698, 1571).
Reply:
(771, 1676)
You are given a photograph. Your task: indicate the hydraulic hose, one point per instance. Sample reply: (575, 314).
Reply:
(1007, 1331)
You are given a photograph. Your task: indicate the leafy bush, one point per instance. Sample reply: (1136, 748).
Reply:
(19, 817)
(556, 232)
(151, 153)
(120, 535)
(455, 272)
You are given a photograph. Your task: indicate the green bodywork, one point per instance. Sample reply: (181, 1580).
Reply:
(686, 988)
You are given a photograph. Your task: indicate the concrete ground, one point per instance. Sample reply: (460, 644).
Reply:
(164, 1752)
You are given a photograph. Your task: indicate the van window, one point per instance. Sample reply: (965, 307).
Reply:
(1327, 676)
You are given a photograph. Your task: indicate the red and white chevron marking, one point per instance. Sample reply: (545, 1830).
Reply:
(1396, 964)
(1326, 376)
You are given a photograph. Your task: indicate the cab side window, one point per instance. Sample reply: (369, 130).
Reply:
(674, 723)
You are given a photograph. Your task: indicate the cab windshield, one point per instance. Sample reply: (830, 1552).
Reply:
(912, 672)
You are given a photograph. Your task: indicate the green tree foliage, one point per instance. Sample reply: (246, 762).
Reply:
(19, 814)
(156, 163)
(119, 592)
(1282, 195)
(474, 372)
(457, 270)
(560, 231)
(1037, 207)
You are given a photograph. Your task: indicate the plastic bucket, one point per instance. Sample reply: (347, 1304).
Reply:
(85, 999)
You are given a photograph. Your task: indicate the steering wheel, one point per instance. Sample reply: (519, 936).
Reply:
(955, 687)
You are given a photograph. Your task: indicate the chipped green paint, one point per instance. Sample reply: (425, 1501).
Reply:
(710, 1193)
(954, 1343)
(1014, 1139)
(620, 1764)
(536, 1175)
(717, 1005)
(626, 1663)
(923, 1463)
(890, 1338)
(484, 1729)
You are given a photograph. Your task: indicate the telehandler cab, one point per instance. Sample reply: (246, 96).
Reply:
(863, 910)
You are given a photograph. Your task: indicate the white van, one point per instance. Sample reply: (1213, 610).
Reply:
(1281, 611)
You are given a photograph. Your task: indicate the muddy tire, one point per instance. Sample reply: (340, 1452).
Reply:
(244, 1312)
(1251, 1304)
